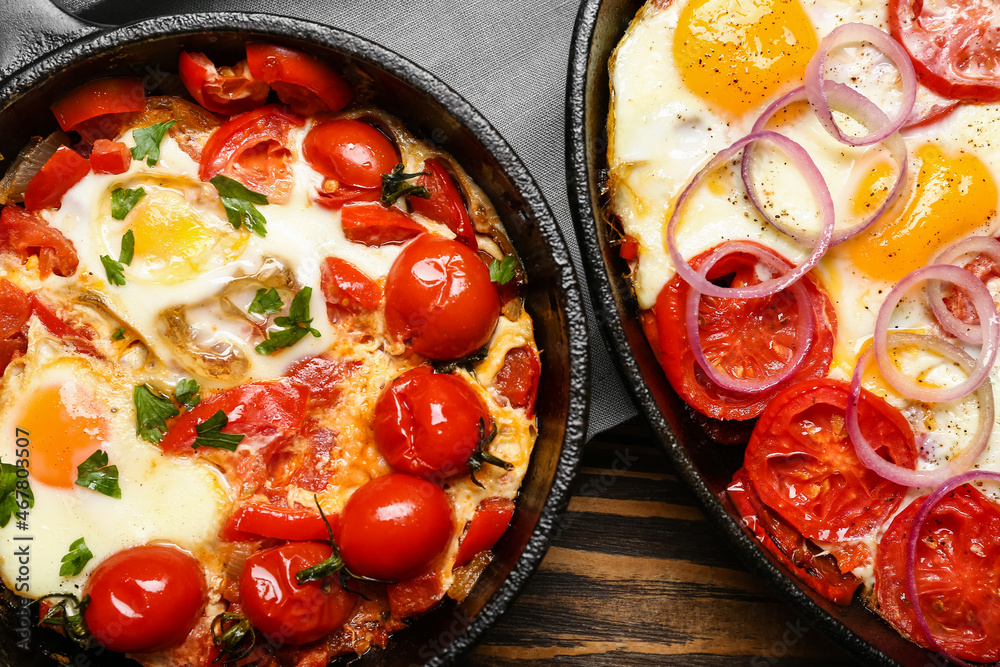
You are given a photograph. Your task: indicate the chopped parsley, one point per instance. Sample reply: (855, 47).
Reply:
(15, 492)
(151, 413)
(266, 302)
(394, 186)
(123, 201)
(77, 558)
(210, 433)
(96, 474)
(502, 272)
(296, 325)
(116, 268)
(186, 393)
(118, 334)
(241, 204)
(147, 141)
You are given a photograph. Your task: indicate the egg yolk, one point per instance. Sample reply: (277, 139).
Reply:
(168, 235)
(735, 54)
(62, 437)
(952, 197)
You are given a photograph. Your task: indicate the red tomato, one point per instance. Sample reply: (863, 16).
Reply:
(229, 90)
(952, 44)
(629, 249)
(439, 298)
(344, 194)
(284, 610)
(58, 327)
(264, 410)
(301, 81)
(347, 289)
(61, 172)
(427, 423)
(252, 522)
(97, 98)
(394, 527)
(15, 309)
(518, 379)
(350, 152)
(253, 149)
(323, 375)
(417, 595)
(110, 157)
(372, 224)
(803, 464)
(25, 233)
(445, 203)
(144, 599)
(488, 525)
(958, 582)
(737, 334)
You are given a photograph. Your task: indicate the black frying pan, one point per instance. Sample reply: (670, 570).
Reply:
(52, 53)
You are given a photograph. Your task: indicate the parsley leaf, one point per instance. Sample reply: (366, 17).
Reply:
(394, 186)
(151, 413)
(186, 393)
(241, 204)
(296, 325)
(123, 201)
(147, 141)
(210, 433)
(10, 504)
(96, 474)
(77, 558)
(114, 269)
(266, 302)
(502, 272)
(118, 334)
(128, 248)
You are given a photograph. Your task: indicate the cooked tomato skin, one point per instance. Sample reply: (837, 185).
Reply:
(956, 569)
(739, 333)
(488, 525)
(97, 98)
(350, 152)
(110, 157)
(284, 610)
(445, 203)
(372, 224)
(61, 172)
(394, 527)
(162, 586)
(347, 288)
(518, 378)
(323, 375)
(229, 92)
(302, 82)
(25, 234)
(254, 521)
(439, 298)
(427, 423)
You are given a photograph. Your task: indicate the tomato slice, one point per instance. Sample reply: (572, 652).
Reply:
(518, 379)
(629, 249)
(488, 525)
(323, 375)
(98, 98)
(350, 152)
(347, 288)
(61, 172)
(445, 203)
(344, 194)
(226, 90)
(372, 224)
(252, 522)
(958, 581)
(804, 466)
(737, 334)
(952, 44)
(110, 157)
(25, 234)
(15, 309)
(417, 595)
(304, 83)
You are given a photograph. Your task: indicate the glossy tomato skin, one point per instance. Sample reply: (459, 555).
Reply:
(347, 288)
(98, 98)
(488, 525)
(284, 610)
(395, 527)
(304, 83)
(145, 598)
(518, 378)
(110, 157)
(372, 224)
(427, 423)
(439, 298)
(350, 152)
(445, 203)
(254, 521)
(61, 172)
(230, 91)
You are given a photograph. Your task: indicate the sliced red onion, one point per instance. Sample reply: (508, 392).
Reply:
(804, 330)
(911, 551)
(974, 245)
(853, 103)
(820, 192)
(906, 476)
(816, 75)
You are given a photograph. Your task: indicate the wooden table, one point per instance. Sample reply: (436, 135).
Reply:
(639, 577)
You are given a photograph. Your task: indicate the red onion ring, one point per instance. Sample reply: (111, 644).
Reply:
(858, 106)
(821, 193)
(906, 476)
(975, 245)
(805, 329)
(816, 75)
(986, 310)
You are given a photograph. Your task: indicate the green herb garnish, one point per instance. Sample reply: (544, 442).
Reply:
(503, 272)
(123, 201)
(15, 493)
(147, 141)
(296, 325)
(77, 558)
(116, 269)
(482, 454)
(96, 474)
(233, 635)
(118, 334)
(151, 413)
(266, 302)
(394, 186)
(186, 393)
(68, 615)
(241, 204)
(210, 434)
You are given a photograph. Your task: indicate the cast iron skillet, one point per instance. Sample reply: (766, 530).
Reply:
(435, 112)
(706, 466)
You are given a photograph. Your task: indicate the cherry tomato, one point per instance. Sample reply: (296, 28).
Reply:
(251, 522)
(350, 152)
(344, 194)
(372, 224)
(110, 157)
(427, 423)
(25, 233)
(347, 288)
(958, 582)
(804, 466)
(144, 599)
(302, 82)
(284, 610)
(394, 527)
(952, 45)
(445, 203)
(417, 595)
(323, 375)
(226, 90)
(488, 525)
(737, 334)
(61, 172)
(439, 298)
(518, 378)
(98, 98)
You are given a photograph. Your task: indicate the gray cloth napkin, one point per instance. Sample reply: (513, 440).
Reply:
(508, 59)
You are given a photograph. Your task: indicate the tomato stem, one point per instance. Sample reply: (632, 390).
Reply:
(68, 615)
(236, 641)
(394, 186)
(482, 454)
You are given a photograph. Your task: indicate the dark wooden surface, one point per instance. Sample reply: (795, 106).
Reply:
(637, 576)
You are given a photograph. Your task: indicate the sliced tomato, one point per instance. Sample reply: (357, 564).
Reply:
(62, 171)
(254, 149)
(225, 90)
(323, 375)
(99, 98)
(372, 224)
(344, 194)
(958, 301)
(304, 83)
(738, 335)
(254, 521)
(25, 233)
(347, 288)
(804, 466)
(958, 582)
(488, 525)
(629, 249)
(518, 379)
(263, 411)
(15, 309)
(952, 44)
(417, 595)
(445, 204)
(110, 157)
(350, 152)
